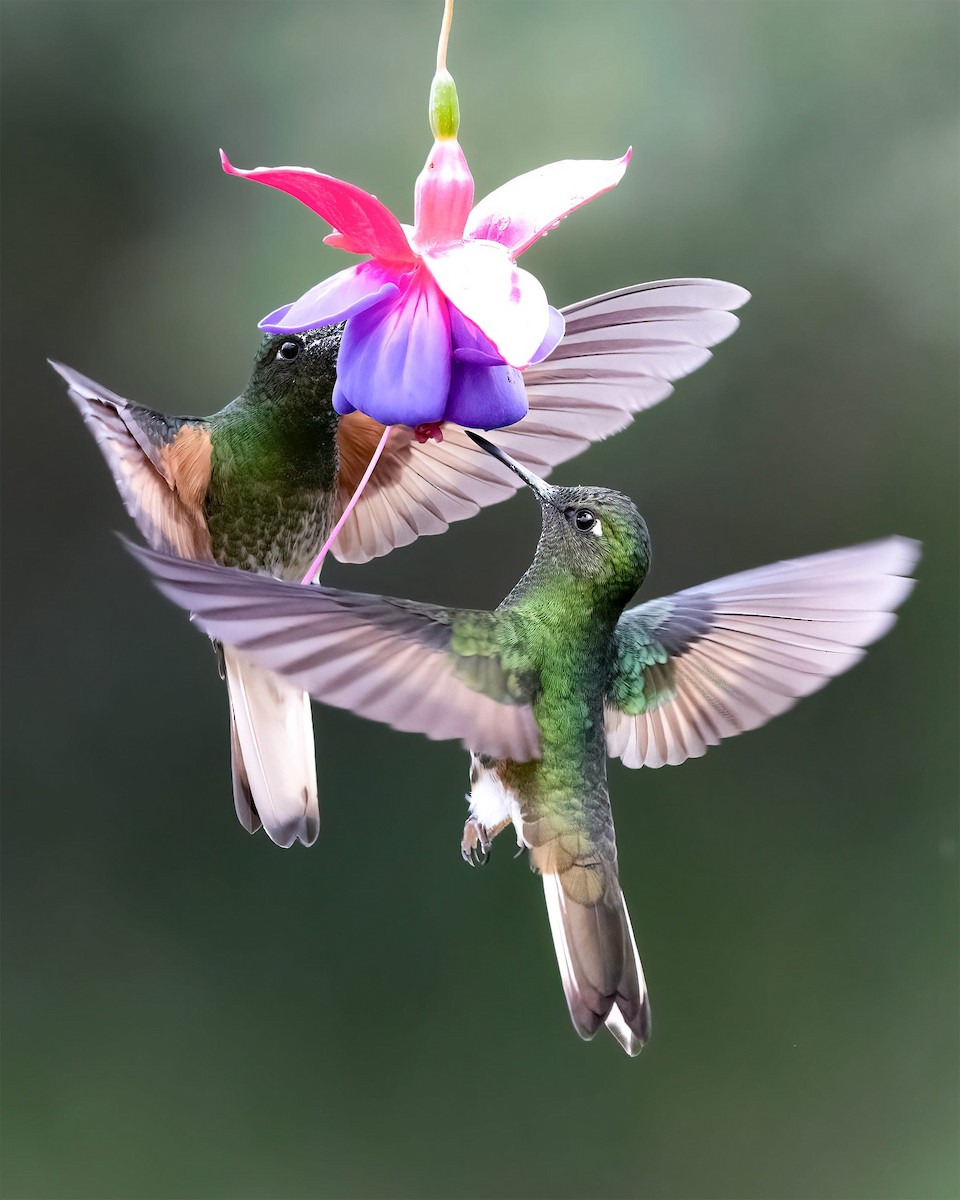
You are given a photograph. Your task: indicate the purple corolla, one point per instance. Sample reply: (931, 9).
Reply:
(440, 321)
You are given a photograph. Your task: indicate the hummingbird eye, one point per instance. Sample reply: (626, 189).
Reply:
(585, 520)
(289, 351)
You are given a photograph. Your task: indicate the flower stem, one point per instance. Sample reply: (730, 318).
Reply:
(317, 563)
(444, 35)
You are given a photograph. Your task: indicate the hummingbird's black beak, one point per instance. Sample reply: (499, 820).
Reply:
(538, 486)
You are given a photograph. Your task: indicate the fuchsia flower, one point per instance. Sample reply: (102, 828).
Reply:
(440, 321)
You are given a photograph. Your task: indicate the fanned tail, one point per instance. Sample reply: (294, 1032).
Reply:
(272, 751)
(596, 951)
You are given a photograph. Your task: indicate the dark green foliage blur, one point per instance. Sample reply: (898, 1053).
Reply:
(192, 1012)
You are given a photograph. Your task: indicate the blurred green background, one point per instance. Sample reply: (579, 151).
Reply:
(191, 1012)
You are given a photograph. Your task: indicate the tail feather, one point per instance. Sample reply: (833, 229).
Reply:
(630, 1023)
(599, 964)
(243, 800)
(272, 748)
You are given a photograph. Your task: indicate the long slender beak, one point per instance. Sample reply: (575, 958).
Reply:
(540, 488)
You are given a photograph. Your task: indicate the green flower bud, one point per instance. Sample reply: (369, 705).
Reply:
(444, 107)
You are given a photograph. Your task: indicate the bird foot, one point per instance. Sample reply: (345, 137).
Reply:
(475, 846)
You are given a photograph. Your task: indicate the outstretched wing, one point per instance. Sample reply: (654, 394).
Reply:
(618, 356)
(446, 673)
(161, 465)
(725, 657)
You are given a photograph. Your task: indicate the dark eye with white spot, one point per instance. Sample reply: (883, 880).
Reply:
(584, 520)
(289, 351)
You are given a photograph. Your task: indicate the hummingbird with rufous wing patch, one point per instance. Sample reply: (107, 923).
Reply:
(261, 484)
(559, 677)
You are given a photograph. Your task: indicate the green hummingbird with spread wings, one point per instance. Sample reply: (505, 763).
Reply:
(558, 678)
(261, 484)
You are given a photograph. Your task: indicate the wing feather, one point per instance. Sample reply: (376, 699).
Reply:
(719, 659)
(162, 479)
(618, 356)
(389, 660)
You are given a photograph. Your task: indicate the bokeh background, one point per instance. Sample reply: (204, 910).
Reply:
(191, 1012)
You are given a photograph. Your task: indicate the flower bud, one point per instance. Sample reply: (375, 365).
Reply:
(444, 106)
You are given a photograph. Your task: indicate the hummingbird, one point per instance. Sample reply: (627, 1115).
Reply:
(260, 485)
(559, 677)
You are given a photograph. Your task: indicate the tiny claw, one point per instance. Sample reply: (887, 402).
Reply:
(429, 430)
(475, 846)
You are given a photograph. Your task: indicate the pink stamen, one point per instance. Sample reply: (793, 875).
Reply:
(317, 563)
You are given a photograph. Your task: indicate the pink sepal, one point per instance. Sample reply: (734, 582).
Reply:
(340, 241)
(525, 208)
(366, 225)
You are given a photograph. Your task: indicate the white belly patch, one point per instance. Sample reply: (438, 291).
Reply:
(491, 803)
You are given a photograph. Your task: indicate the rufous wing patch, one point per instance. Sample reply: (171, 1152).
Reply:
(357, 438)
(187, 466)
(405, 494)
(186, 461)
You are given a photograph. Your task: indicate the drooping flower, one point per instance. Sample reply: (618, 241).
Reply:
(440, 321)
